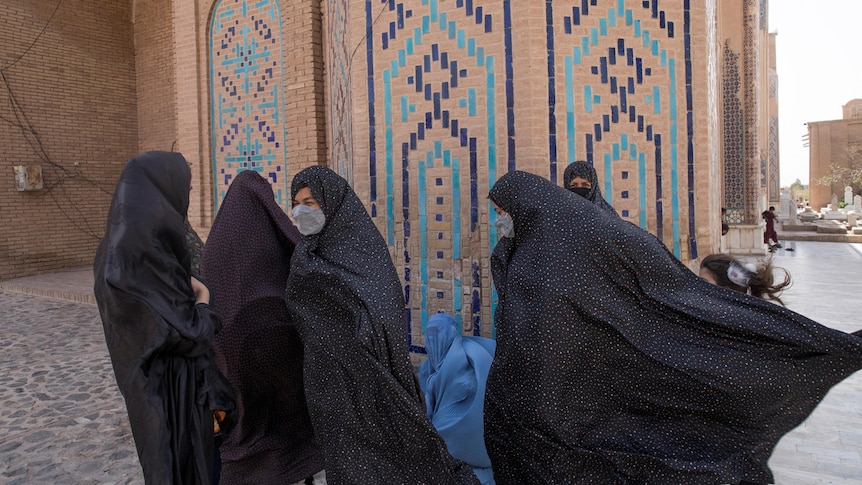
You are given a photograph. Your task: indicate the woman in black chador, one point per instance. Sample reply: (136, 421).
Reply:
(345, 297)
(246, 262)
(158, 324)
(580, 178)
(615, 364)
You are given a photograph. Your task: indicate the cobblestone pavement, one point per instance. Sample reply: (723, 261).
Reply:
(62, 418)
(63, 421)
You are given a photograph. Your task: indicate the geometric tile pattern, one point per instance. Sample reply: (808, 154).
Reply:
(340, 135)
(734, 164)
(440, 121)
(615, 70)
(246, 78)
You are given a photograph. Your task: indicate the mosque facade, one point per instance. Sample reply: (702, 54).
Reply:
(420, 104)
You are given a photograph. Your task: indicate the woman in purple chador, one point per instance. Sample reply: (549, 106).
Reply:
(246, 261)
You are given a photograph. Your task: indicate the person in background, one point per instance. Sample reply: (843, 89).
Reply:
(246, 261)
(755, 279)
(617, 364)
(580, 177)
(769, 233)
(159, 326)
(345, 297)
(453, 380)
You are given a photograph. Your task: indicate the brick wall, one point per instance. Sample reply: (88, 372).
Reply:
(72, 111)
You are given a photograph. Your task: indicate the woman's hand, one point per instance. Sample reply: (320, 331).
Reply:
(202, 293)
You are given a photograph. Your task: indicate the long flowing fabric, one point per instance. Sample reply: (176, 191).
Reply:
(453, 378)
(616, 364)
(246, 262)
(346, 299)
(160, 342)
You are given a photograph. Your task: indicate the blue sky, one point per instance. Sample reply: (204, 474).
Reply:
(819, 63)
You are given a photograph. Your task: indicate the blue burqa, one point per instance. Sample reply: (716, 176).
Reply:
(453, 379)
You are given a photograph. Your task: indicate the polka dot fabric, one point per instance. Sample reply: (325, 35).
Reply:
(246, 261)
(364, 399)
(616, 364)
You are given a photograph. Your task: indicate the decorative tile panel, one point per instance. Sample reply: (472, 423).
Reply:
(246, 95)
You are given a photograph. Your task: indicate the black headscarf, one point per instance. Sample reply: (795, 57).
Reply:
(246, 262)
(586, 171)
(160, 342)
(616, 364)
(345, 296)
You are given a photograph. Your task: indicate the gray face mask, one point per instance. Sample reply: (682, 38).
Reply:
(505, 226)
(309, 220)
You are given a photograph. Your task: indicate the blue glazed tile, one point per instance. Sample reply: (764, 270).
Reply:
(615, 114)
(630, 57)
(409, 79)
(435, 52)
(438, 217)
(445, 118)
(613, 84)
(420, 131)
(603, 66)
(418, 77)
(444, 88)
(606, 123)
(463, 137)
(576, 16)
(428, 120)
(426, 64)
(469, 7)
(479, 17)
(455, 131)
(598, 131)
(639, 70)
(567, 25)
(444, 60)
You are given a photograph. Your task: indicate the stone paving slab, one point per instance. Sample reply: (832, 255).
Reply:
(62, 418)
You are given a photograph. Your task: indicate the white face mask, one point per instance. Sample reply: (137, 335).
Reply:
(309, 220)
(505, 225)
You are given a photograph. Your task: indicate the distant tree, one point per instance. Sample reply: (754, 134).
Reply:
(849, 173)
(799, 191)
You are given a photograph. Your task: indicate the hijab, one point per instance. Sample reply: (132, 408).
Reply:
(585, 170)
(159, 340)
(346, 299)
(617, 364)
(246, 261)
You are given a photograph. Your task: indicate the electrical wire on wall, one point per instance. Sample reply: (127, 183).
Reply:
(59, 175)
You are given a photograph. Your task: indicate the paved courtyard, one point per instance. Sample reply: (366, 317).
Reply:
(63, 421)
